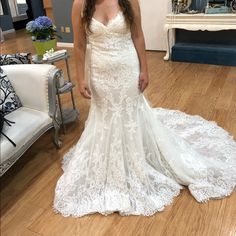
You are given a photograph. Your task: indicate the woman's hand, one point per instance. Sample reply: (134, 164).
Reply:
(84, 89)
(143, 81)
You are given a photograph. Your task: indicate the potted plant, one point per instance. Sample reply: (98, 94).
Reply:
(43, 33)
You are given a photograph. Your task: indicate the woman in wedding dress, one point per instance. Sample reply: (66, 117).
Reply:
(131, 158)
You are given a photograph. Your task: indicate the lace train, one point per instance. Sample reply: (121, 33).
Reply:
(108, 173)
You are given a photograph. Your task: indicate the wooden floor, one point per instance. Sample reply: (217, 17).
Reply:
(27, 189)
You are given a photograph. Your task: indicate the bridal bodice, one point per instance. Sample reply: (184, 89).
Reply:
(112, 37)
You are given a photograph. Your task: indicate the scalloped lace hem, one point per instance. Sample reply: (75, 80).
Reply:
(118, 207)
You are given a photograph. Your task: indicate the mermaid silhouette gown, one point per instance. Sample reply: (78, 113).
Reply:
(131, 158)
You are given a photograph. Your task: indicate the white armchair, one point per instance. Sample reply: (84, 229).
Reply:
(35, 85)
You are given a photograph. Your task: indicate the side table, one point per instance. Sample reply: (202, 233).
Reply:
(66, 115)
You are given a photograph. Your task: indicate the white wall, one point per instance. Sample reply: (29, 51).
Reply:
(153, 21)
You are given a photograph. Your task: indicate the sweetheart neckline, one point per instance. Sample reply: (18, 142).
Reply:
(109, 21)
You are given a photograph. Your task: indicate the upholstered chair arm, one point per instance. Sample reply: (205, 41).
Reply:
(35, 85)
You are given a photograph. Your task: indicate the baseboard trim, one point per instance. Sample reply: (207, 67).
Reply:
(8, 31)
(65, 45)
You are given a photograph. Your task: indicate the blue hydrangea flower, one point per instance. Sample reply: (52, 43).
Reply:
(33, 26)
(29, 26)
(44, 22)
(41, 28)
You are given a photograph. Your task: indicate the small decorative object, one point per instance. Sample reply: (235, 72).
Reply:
(52, 55)
(217, 7)
(201, 5)
(193, 12)
(233, 6)
(175, 6)
(180, 6)
(48, 53)
(43, 33)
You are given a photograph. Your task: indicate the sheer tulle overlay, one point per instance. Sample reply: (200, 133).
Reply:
(132, 158)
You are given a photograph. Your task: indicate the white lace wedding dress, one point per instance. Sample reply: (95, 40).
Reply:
(132, 158)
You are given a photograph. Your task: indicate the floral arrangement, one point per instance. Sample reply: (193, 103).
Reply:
(41, 29)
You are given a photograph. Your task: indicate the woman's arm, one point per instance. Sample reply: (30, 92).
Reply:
(139, 43)
(79, 47)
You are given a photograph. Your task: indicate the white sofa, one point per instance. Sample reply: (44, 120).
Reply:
(35, 85)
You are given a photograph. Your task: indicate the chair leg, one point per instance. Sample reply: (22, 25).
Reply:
(56, 139)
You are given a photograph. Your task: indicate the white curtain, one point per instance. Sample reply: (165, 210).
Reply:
(13, 7)
(1, 11)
